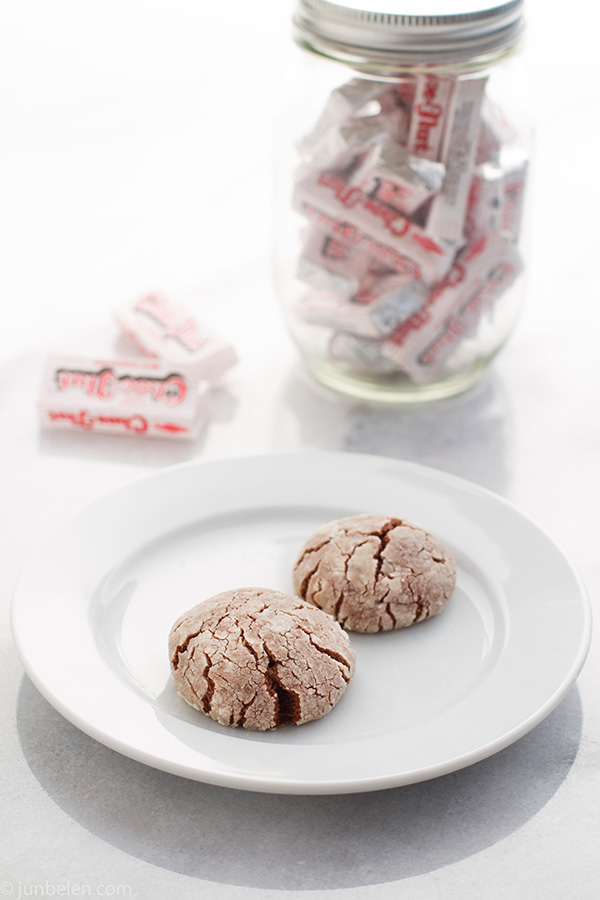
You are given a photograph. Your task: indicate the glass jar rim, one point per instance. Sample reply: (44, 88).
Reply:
(353, 32)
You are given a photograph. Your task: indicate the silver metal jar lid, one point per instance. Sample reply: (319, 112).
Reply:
(408, 31)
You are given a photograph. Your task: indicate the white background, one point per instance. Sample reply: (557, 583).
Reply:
(135, 152)
(135, 144)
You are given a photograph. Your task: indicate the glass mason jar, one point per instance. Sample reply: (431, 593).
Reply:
(402, 158)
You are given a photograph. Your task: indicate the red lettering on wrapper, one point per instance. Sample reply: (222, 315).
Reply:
(87, 421)
(420, 318)
(105, 385)
(351, 197)
(329, 194)
(429, 115)
(100, 384)
(427, 243)
(348, 232)
(171, 427)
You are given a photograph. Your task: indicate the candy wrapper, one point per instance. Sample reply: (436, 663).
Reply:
(358, 104)
(330, 264)
(162, 328)
(334, 196)
(163, 393)
(421, 181)
(428, 115)
(374, 311)
(481, 273)
(391, 175)
(447, 213)
(134, 397)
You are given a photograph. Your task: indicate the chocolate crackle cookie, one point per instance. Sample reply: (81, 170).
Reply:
(260, 658)
(375, 573)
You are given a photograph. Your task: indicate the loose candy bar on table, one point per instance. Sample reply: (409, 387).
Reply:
(137, 396)
(164, 329)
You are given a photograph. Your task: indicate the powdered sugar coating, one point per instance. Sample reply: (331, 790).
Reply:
(259, 659)
(375, 573)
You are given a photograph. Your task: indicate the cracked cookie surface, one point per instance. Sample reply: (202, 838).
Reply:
(375, 573)
(259, 658)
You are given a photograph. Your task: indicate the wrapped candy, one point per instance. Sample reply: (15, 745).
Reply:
(484, 269)
(429, 113)
(433, 201)
(162, 328)
(446, 216)
(331, 194)
(328, 263)
(122, 396)
(391, 175)
(390, 300)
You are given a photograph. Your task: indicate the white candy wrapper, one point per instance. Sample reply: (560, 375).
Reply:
(389, 301)
(330, 264)
(347, 232)
(496, 199)
(426, 188)
(364, 354)
(513, 194)
(159, 327)
(334, 197)
(391, 298)
(395, 108)
(482, 271)
(446, 216)
(464, 320)
(495, 132)
(340, 145)
(331, 310)
(391, 175)
(344, 101)
(133, 397)
(484, 205)
(429, 115)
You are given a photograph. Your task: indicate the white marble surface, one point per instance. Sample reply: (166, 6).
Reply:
(112, 114)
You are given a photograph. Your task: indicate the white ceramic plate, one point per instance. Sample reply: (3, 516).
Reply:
(92, 611)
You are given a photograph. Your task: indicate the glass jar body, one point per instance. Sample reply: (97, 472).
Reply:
(399, 240)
